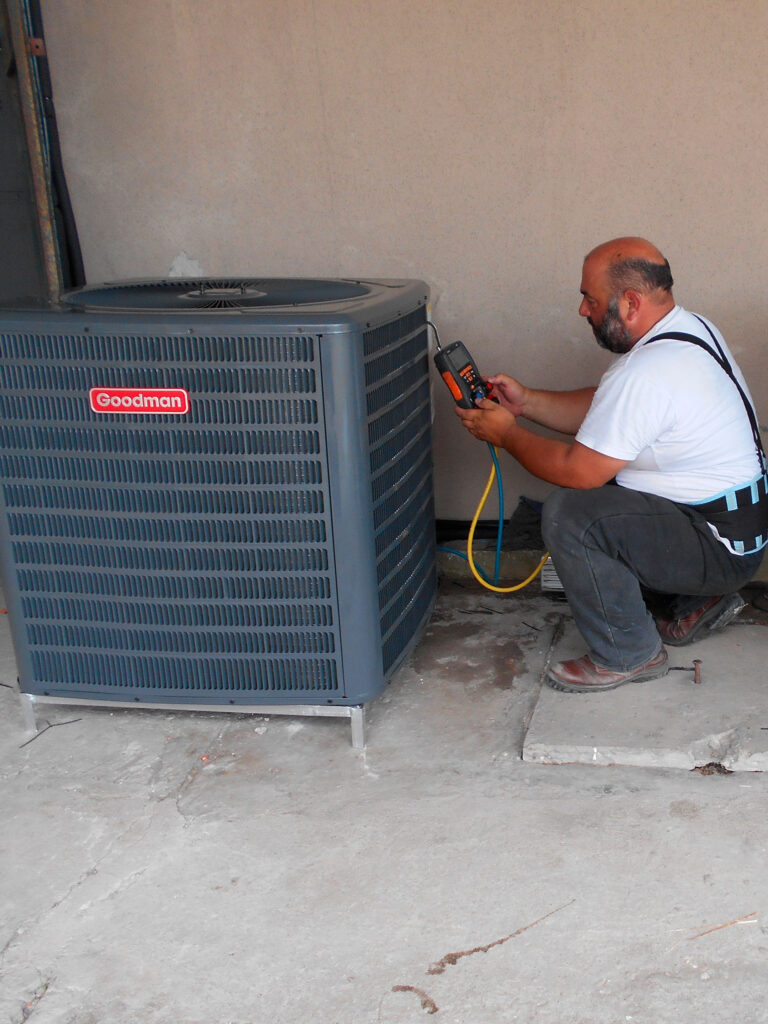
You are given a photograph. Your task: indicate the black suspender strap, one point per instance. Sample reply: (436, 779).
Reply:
(741, 515)
(721, 359)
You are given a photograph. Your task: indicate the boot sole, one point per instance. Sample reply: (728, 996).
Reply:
(642, 676)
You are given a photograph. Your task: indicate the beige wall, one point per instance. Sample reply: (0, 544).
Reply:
(481, 146)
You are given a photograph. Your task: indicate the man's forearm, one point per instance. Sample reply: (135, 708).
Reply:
(544, 457)
(561, 463)
(559, 410)
(564, 463)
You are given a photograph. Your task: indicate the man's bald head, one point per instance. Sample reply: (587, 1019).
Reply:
(636, 264)
(626, 288)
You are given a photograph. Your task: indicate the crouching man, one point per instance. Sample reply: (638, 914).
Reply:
(661, 511)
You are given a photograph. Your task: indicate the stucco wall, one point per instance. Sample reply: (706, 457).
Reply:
(481, 146)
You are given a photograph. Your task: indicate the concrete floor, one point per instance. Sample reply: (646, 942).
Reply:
(225, 869)
(672, 722)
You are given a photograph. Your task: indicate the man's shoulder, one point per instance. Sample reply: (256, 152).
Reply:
(655, 347)
(681, 321)
(658, 369)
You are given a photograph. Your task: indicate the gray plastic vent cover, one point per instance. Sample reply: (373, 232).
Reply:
(223, 503)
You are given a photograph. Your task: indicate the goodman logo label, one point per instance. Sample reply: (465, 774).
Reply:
(160, 401)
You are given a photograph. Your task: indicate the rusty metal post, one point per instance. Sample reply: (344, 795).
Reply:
(23, 47)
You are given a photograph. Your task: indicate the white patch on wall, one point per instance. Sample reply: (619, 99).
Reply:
(184, 266)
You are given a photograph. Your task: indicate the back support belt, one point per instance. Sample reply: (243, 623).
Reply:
(740, 515)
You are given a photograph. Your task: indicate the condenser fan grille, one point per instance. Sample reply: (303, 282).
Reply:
(190, 294)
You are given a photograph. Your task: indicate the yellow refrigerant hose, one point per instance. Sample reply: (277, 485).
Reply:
(470, 538)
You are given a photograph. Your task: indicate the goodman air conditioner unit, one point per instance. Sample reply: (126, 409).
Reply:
(217, 495)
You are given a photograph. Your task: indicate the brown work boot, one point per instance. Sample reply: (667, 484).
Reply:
(713, 614)
(582, 675)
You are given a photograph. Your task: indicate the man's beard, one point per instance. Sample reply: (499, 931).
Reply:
(612, 334)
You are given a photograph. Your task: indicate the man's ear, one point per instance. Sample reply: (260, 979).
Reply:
(633, 300)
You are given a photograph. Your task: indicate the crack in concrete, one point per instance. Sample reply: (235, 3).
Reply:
(177, 792)
(29, 1008)
(133, 833)
(192, 776)
(23, 928)
(121, 884)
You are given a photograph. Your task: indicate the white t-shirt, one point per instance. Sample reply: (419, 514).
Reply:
(674, 415)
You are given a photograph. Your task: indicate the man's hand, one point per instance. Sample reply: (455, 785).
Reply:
(488, 421)
(558, 410)
(510, 393)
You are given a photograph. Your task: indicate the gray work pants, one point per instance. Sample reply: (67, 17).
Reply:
(622, 555)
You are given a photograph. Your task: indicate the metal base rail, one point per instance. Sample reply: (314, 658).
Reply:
(354, 712)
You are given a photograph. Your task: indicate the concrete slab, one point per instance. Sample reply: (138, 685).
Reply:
(665, 723)
(224, 869)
